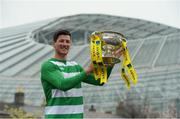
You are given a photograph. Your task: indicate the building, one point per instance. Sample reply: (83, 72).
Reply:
(154, 50)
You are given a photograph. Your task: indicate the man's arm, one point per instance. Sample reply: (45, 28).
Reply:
(50, 73)
(91, 78)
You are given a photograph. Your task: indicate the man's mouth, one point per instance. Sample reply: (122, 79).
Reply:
(64, 48)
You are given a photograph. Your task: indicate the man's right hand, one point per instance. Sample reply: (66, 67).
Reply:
(89, 69)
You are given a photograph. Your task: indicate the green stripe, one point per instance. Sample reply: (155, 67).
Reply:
(71, 69)
(65, 101)
(77, 86)
(78, 116)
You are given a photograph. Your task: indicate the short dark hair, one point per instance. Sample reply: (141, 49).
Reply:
(60, 32)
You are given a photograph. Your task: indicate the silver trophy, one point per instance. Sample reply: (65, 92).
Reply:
(111, 42)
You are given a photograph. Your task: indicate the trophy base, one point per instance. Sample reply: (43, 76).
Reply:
(110, 60)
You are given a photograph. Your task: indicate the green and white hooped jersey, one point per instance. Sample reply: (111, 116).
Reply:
(61, 82)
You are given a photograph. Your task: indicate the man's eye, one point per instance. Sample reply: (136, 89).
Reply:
(61, 41)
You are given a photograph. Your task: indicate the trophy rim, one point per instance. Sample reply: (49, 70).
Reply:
(112, 32)
(107, 31)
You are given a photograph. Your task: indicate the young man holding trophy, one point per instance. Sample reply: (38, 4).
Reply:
(61, 79)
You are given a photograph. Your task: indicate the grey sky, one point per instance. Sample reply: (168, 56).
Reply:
(16, 12)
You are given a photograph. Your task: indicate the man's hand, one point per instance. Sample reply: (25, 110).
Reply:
(118, 53)
(89, 69)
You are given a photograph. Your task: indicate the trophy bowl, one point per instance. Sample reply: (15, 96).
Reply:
(111, 42)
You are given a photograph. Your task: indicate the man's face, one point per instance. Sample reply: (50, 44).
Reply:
(62, 45)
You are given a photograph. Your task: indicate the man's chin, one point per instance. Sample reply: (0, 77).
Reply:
(63, 53)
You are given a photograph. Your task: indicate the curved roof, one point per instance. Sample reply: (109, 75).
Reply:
(87, 23)
(22, 56)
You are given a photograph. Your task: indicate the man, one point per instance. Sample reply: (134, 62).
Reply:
(61, 80)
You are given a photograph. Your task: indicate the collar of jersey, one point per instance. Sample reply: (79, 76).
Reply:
(59, 60)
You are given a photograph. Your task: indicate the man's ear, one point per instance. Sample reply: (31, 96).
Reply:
(53, 44)
(71, 41)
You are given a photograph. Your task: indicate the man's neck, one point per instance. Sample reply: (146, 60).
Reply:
(61, 57)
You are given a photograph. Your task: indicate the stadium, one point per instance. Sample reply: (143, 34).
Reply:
(154, 50)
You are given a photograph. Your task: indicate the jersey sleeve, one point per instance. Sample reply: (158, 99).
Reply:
(91, 78)
(54, 76)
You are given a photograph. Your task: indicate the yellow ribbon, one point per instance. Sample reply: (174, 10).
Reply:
(100, 69)
(126, 64)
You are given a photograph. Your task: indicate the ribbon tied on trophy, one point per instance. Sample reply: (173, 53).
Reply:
(103, 46)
